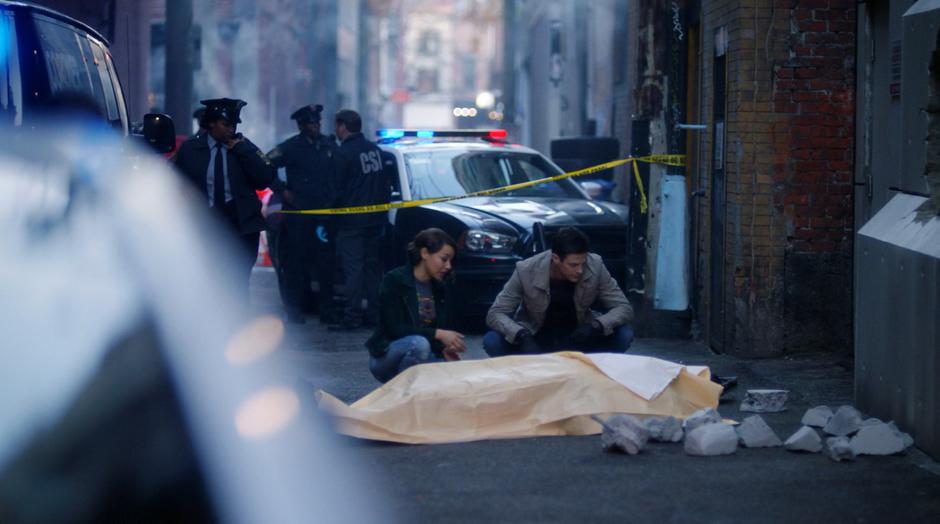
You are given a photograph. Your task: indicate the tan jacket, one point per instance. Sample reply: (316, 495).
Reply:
(524, 300)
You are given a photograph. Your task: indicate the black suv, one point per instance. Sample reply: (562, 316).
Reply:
(45, 56)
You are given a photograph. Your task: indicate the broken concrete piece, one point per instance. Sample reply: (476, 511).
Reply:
(880, 439)
(839, 449)
(805, 439)
(664, 429)
(700, 418)
(764, 400)
(817, 417)
(871, 422)
(845, 421)
(755, 433)
(624, 433)
(711, 439)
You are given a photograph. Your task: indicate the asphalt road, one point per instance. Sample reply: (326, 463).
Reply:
(569, 479)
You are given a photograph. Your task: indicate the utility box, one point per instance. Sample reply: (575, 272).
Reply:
(897, 268)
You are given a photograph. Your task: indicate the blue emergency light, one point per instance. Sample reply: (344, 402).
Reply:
(491, 135)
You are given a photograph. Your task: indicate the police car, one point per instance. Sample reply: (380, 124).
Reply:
(493, 232)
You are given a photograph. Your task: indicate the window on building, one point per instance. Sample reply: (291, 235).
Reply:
(428, 81)
(429, 43)
(469, 72)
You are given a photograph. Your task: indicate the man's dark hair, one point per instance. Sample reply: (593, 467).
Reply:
(350, 119)
(432, 239)
(570, 241)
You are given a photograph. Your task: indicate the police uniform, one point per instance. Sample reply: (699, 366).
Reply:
(362, 181)
(305, 242)
(228, 179)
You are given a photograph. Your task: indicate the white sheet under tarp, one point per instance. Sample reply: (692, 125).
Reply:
(645, 376)
(521, 396)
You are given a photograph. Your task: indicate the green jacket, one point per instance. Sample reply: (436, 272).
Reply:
(398, 312)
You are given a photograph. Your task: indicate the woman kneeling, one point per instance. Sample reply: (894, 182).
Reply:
(413, 317)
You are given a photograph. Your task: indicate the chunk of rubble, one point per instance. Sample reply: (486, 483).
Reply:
(805, 439)
(839, 449)
(845, 421)
(664, 429)
(764, 401)
(755, 433)
(711, 439)
(878, 439)
(908, 440)
(817, 417)
(871, 422)
(701, 418)
(624, 433)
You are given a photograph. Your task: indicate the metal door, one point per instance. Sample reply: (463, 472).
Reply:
(716, 316)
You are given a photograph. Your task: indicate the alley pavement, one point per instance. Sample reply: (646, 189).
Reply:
(570, 479)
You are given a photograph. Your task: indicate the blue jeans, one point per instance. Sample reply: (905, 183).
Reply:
(617, 342)
(401, 355)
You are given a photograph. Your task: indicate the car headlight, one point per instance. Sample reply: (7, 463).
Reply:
(488, 241)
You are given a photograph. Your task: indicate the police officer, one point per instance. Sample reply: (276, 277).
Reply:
(227, 169)
(361, 181)
(311, 162)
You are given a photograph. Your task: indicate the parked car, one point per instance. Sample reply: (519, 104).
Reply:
(49, 60)
(493, 232)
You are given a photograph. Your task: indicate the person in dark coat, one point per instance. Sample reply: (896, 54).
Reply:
(416, 310)
(361, 182)
(304, 242)
(227, 169)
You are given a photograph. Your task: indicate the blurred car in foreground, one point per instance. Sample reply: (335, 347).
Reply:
(135, 388)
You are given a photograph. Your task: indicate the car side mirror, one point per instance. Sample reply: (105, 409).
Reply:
(160, 132)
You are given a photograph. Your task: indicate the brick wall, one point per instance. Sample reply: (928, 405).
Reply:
(789, 162)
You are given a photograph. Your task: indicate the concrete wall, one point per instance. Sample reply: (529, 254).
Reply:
(788, 161)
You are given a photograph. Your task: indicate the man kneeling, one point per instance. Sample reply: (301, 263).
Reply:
(556, 290)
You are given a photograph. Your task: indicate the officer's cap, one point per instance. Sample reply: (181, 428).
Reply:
(307, 114)
(225, 108)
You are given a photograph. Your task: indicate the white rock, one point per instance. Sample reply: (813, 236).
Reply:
(805, 439)
(624, 433)
(711, 439)
(908, 440)
(844, 422)
(664, 429)
(839, 449)
(764, 400)
(700, 418)
(880, 439)
(817, 417)
(755, 433)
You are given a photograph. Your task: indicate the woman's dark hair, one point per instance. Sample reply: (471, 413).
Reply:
(570, 241)
(432, 239)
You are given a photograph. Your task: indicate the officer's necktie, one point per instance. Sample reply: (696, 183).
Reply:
(218, 180)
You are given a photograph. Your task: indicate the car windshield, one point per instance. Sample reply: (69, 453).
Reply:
(455, 173)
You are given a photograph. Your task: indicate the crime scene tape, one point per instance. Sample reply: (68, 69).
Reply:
(669, 160)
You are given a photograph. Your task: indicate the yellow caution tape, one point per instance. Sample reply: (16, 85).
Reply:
(669, 160)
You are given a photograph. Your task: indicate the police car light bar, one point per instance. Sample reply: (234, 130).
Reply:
(496, 135)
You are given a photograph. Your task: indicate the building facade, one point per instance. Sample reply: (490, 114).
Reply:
(775, 223)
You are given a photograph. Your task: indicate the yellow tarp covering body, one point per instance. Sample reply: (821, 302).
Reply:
(521, 396)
